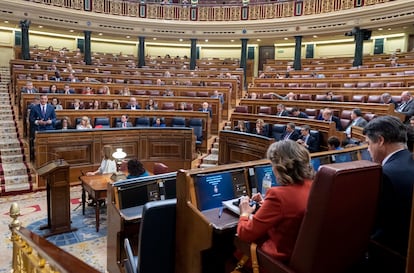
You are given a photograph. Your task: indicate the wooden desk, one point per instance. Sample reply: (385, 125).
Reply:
(96, 186)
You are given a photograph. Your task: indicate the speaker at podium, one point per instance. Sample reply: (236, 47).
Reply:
(56, 174)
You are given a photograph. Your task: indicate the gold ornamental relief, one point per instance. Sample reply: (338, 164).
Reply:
(116, 8)
(98, 6)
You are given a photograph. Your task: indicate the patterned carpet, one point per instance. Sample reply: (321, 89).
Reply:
(14, 171)
(85, 243)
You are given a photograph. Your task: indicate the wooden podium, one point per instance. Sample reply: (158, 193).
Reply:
(56, 174)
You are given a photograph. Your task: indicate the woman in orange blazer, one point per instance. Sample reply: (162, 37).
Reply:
(275, 226)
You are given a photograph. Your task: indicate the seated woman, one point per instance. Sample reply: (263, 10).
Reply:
(151, 105)
(108, 164)
(260, 128)
(136, 169)
(158, 123)
(96, 105)
(66, 124)
(241, 126)
(56, 104)
(116, 105)
(275, 226)
(52, 88)
(84, 124)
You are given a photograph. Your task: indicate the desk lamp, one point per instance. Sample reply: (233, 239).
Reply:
(118, 155)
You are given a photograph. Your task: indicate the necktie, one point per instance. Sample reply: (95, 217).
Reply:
(402, 106)
(43, 110)
(287, 136)
(306, 139)
(125, 125)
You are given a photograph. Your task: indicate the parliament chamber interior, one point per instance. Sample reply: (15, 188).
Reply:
(198, 91)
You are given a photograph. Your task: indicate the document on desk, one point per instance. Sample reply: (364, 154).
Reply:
(230, 205)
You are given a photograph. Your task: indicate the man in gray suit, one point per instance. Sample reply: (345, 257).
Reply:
(357, 120)
(124, 123)
(406, 106)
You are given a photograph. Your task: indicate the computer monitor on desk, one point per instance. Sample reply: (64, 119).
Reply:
(214, 188)
(138, 191)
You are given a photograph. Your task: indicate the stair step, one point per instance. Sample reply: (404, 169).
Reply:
(214, 151)
(205, 165)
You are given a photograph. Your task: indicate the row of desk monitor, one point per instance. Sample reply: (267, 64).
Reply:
(212, 188)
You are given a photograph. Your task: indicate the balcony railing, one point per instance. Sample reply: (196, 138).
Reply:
(209, 12)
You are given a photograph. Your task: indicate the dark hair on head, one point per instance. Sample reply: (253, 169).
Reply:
(291, 125)
(334, 141)
(357, 112)
(295, 109)
(306, 127)
(389, 127)
(135, 167)
(291, 161)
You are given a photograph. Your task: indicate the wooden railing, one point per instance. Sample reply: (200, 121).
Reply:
(33, 253)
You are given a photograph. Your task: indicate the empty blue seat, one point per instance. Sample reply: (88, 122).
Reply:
(142, 122)
(102, 121)
(197, 125)
(278, 130)
(178, 122)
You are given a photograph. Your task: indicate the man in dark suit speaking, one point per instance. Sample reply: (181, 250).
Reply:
(42, 116)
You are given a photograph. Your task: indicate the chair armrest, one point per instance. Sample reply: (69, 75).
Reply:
(265, 261)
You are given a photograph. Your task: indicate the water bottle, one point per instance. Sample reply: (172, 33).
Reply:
(266, 183)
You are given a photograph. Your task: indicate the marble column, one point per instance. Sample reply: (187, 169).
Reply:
(141, 51)
(87, 55)
(243, 59)
(359, 46)
(25, 24)
(297, 62)
(193, 55)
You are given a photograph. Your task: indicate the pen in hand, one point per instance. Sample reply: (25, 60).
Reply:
(220, 212)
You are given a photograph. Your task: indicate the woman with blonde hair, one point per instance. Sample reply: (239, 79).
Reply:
(275, 226)
(84, 124)
(108, 164)
(116, 105)
(260, 128)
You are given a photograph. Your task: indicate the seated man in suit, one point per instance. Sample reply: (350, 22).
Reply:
(290, 132)
(133, 104)
(387, 144)
(406, 106)
(386, 98)
(124, 123)
(72, 78)
(216, 94)
(67, 90)
(281, 111)
(206, 108)
(357, 120)
(29, 89)
(327, 115)
(307, 140)
(298, 114)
